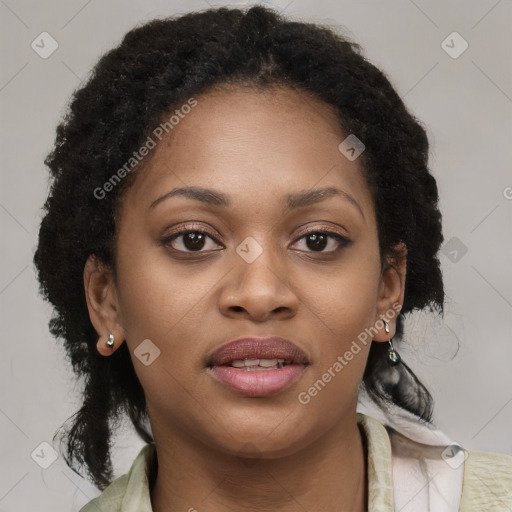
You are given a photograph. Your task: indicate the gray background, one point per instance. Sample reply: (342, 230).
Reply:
(466, 104)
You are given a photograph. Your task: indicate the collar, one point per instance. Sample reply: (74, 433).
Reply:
(427, 465)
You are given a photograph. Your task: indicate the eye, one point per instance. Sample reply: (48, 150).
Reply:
(191, 240)
(318, 240)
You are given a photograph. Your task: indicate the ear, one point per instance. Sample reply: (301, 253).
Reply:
(391, 292)
(102, 303)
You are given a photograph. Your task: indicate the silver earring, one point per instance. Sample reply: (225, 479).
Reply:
(393, 356)
(110, 342)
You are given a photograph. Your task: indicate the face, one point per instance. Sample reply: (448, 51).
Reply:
(317, 280)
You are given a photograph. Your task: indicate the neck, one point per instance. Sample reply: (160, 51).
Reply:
(328, 474)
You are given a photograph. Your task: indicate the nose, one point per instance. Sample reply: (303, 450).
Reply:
(258, 291)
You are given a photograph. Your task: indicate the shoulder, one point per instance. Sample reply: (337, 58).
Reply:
(429, 467)
(129, 490)
(487, 483)
(110, 499)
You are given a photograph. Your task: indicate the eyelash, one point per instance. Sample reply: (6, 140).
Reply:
(342, 240)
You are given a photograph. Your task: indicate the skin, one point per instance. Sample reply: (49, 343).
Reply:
(218, 450)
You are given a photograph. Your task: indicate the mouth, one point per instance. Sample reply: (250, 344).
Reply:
(258, 367)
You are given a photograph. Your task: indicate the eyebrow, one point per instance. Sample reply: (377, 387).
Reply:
(297, 200)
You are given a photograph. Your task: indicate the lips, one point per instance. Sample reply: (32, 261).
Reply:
(252, 348)
(258, 367)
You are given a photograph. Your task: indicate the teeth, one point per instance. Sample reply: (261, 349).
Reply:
(258, 364)
(267, 363)
(260, 368)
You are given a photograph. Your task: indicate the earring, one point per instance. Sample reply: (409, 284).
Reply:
(110, 342)
(393, 356)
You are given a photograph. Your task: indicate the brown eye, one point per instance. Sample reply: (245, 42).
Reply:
(194, 241)
(318, 241)
(190, 241)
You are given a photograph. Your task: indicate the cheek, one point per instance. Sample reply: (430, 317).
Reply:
(155, 293)
(341, 353)
(339, 314)
(343, 302)
(161, 301)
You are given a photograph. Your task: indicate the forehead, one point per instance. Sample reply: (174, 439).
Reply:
(244, 140)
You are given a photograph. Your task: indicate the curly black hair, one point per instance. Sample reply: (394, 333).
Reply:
(159, 66)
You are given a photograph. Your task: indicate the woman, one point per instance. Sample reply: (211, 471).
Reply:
(240, 218)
